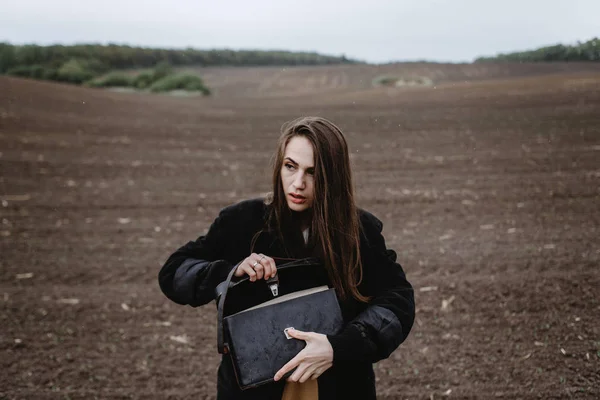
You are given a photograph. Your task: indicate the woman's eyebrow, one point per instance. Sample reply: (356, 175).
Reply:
(295, 163)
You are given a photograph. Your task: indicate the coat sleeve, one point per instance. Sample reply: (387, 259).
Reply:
(388, 318)
(191, 274)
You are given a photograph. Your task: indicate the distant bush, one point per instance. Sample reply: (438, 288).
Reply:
(160, 79)
(143, 80)
(27, 71)
(161, 70)
(74, 71)
(387, 80)
(33, 72)
(94, 65)
(114, 79)
(180, 82)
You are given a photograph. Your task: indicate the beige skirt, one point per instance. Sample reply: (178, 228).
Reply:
(308, 390)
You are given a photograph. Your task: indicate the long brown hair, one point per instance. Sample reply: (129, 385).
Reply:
(335, 222)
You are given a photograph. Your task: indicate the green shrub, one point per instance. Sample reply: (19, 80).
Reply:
(389, 80)
(114, 79)
(161, 70)
(385, 80)
(50, 74)
(33, 71)
(143, 80)
(71, 72)
(74, 71)
(95, 65)
(180, 82)
(27, 71)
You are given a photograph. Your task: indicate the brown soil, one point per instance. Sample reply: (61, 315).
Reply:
(488, 186)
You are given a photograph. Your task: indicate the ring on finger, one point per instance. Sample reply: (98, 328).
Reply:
(255, 264)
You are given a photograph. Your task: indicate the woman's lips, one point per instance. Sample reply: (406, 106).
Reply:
(297, 199)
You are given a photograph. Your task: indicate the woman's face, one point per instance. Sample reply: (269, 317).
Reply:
(297, 173)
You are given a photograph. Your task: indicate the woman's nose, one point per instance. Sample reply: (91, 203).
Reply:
(299, 181)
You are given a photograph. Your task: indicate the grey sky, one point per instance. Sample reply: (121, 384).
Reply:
(375, 30)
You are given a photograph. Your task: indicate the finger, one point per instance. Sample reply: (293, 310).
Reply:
(255, 261)
(316, 374)
(321, 367)
(243, 269)
(308, 373)
(265, 265)
(273, 265)
(258, 267)
(249, 271)
(293, 363)
(239, 271)
(298, 373)
(296, 334)
(270, 268)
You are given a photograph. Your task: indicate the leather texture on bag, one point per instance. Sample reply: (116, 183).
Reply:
(257, 342)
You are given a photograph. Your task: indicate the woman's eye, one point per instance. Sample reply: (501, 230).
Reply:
(289, 166)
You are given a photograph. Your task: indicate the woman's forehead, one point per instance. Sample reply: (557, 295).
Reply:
(300, 150)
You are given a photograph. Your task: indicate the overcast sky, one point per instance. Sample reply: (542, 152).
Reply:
(373, 31)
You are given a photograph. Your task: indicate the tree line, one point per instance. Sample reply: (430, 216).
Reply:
(109, 57)
(89, 64)
(586, 51)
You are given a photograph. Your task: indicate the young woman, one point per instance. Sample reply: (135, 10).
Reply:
(310, 213)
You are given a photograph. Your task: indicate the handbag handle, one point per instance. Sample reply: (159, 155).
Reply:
(222, 347)
(223, 286)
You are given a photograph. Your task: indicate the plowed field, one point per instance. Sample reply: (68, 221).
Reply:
(487, 184)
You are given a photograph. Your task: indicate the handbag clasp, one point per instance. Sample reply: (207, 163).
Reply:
(287, 335)
(274, 285)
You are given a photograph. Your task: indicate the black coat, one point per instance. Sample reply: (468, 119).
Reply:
(372, 331)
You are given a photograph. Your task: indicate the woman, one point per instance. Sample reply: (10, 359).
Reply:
(311, 212)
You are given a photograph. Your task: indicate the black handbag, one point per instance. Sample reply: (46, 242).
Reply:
(253, 317)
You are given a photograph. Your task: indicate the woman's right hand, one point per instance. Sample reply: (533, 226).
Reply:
(257, 266)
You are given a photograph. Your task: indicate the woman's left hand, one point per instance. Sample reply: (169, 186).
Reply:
(312, 361)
